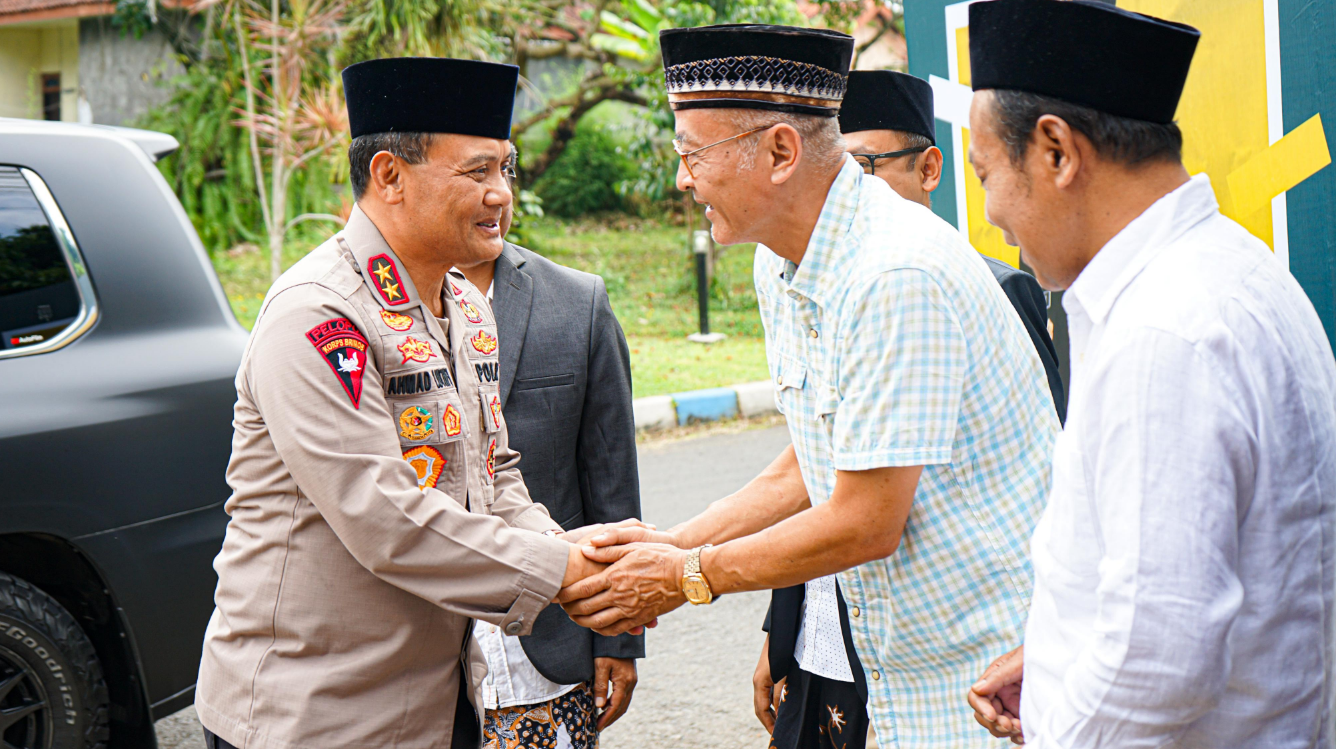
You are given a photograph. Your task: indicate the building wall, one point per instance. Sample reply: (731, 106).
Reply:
(29, 50)
(123, 77)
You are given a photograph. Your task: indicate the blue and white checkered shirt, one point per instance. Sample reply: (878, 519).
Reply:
(892, 345)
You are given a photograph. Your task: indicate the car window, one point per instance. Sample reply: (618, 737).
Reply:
(38, 294)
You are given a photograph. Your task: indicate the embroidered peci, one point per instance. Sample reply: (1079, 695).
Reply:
(344, 349)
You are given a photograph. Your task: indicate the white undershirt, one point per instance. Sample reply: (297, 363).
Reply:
(512, 679)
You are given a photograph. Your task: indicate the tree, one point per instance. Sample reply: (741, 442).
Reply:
(294, 128)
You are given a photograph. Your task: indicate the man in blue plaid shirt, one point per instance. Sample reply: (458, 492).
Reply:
(920, 414)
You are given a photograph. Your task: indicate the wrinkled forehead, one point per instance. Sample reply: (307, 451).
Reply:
(468, 150)
(701, 127)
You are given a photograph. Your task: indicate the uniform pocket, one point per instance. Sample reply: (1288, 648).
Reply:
(538, 383)
(491, 410)
(417, 421)
(453, 426)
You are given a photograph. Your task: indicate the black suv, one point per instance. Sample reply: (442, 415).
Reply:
(117, 357)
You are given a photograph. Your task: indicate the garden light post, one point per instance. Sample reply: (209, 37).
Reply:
(700, 244)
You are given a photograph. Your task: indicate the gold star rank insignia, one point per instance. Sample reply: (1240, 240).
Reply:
(386, 279)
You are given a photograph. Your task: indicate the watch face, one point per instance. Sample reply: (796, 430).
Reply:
(696, 590)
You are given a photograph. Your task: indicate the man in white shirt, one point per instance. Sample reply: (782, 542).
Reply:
(1185, 565)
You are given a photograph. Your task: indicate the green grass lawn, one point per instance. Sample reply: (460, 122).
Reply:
(649, 272)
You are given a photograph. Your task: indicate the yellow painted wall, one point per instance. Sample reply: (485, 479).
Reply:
(27, 51)
(1223, 112)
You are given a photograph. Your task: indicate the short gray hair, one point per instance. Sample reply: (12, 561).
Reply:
(822, 142)
(411, 147)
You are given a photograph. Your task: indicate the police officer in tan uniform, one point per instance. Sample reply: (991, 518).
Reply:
(376, 506)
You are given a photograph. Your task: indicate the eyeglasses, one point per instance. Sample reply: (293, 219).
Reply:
(869, 160)
(684, 156)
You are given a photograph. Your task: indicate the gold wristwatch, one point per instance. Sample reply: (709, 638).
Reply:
(694, 585)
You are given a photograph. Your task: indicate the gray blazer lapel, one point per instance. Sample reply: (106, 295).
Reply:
(513, 298)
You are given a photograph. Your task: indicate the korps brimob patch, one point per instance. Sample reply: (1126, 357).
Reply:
(344, 348)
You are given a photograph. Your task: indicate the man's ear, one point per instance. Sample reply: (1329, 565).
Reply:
(1055, 143)
(387, 176)
(783, 149)
(930, 169)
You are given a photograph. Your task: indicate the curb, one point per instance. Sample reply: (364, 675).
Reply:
(680, 409)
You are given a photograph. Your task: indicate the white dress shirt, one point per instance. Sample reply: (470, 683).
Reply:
(1184, 567)
(512, 679)
(820, 646)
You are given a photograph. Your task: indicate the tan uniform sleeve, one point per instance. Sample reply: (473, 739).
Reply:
(346, 460)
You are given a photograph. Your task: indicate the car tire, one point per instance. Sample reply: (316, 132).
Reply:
(52, 693)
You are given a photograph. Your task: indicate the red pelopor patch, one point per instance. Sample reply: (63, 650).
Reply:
(344, 348)
(385, 275)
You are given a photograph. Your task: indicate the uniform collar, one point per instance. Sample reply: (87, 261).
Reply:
(815, 278)
(1122, 259)
(381, 270)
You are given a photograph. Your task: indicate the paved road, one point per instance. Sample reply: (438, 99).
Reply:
(695, 684)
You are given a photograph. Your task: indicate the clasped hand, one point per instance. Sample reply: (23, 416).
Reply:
(641, 582)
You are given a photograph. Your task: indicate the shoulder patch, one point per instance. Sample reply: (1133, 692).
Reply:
(344, 348)
(385, 276)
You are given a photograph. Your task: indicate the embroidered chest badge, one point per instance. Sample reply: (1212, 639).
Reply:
(451, 421)
(344, 348)
(428, 462)
(483, 343)
(471, 313)
(491, 459)
(386, 277)
(396, 321)
(458, 291)
(415, 350)
(494, 406)
(416, 423)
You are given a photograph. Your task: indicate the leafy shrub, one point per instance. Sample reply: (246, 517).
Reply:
(585, 178)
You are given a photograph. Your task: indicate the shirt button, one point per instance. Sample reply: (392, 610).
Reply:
(813, 333)
(779, 380)
(793, 294)
(876, 676)
(513, 628)
(856, 612)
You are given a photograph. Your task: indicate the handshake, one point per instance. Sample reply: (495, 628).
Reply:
(624, 577)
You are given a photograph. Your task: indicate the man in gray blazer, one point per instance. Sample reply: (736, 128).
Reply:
(565, 380)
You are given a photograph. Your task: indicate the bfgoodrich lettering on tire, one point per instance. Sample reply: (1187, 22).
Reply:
(52, 694)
